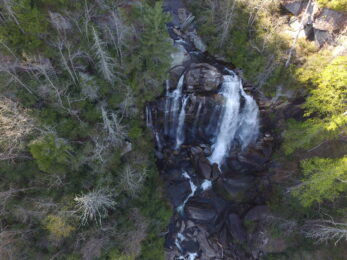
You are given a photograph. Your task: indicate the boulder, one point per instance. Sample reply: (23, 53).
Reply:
(204, 168)
(178, 191)
(257, 213)
(322, 37)
(330, 20)
(235, 189)
(200, 211)
(294, 6)
(255, 159)
(236, 229)
(203, 77)
(215, 172)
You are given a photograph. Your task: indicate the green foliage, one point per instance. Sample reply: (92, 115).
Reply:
(153, 50)
(304, 135)
(51, 154)
(339, 5)
(27, 34)
(326, 102)
(324, 179)
(78, 156)
(328, 98)
(257, 48)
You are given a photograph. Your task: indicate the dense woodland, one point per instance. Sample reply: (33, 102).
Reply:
(78, 178)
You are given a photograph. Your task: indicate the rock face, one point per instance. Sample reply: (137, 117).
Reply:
(322, 25)
(203, 78)
(294, 6)
(330, 20)
(236, 229)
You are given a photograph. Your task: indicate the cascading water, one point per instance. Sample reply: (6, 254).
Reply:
(245, 123)
(174, 98)
(193, 188)
(249, 125)
(197, 116)
(180, 127)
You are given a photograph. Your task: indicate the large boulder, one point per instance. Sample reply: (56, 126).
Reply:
(235, 189)
(330, 20)
(200, 211)
(204, 168)
(236, 229)
(322, 37)
(294, 6)
(203, 77)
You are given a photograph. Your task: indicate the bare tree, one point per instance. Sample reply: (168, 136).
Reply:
(112, 125)
(132, 180)
(95, 205)
(15, 127)
(325, 230)
(227, 21)
(8, 6)
(105, 62)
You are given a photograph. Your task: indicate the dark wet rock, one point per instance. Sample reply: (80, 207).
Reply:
(196, 150)
(294, 6)
(215, 172)
(235, 189)
(236, 228)
(257, 213)
(255, 159)
(178, 191)
(203, 77)
(330, 20)
(322, 37)
(204, 168)
(175, 74)
(199, 211)
(209, 249)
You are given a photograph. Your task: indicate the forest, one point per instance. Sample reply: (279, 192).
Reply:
(78, 172)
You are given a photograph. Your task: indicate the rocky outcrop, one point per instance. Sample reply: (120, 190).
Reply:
(322, 25)
(330, 20)
(294, 6)
(203, 78)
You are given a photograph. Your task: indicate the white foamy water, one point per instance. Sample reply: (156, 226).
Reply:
(193, 188)
(180, 127)
(234, 122)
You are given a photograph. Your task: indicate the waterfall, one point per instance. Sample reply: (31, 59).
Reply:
(180, 127)
(197, 116)
(149, 120)
(249, 125)
(175, 98)
(244, 123)
(167, 108)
